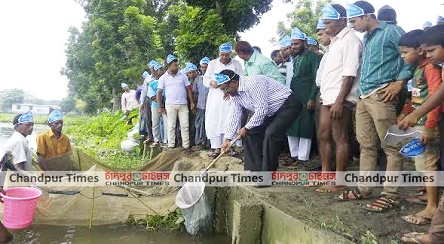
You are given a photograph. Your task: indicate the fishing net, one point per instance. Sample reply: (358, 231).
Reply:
(86, 205)
(195, 207)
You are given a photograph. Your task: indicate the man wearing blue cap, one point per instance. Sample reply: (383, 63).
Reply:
(203, 65)
(17, 144)
(129, 101)
(427, 25)
(314, 45)
(159, 121)
(177, 91)
(274, 107)
(200, 93)
(383, 75)
(338, 90)
(257, 64)
(303, 85)
(217, 107)
(145, 116)
(52, 145)
(286, 66)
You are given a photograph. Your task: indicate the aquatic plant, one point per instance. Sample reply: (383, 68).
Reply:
(172, 221)
(100, 137)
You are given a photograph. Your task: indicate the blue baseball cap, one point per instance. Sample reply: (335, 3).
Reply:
(320, 25)
(157, 66)
(226, 47)
(221, 78)
(25, 118)
(328, 12)
(170, 58)
(297, 34)
(354, 11)
(285, 42)
(190, 67)
(151, 63)
(54, 116)
(311, 41)
(204, 60)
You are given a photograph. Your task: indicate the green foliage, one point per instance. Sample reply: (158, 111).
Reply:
(199, 33)
(11, 96)
(68, 104)
(305, 17)
(369, 238)
(111, 48)
(237, 15)
(172, 221)
(121, 36)
(100, 137)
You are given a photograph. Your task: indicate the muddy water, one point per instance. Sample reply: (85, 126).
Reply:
(109, 234)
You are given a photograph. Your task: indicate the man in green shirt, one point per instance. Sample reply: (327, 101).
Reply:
(256, 63)
(383, 75)
(303, 85)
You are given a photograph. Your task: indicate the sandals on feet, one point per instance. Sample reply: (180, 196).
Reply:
(411, 237)
(357, 195)
(416, 200)
(417, 219)
(418, 193)
(382, 204)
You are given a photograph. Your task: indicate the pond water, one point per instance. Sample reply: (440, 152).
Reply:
(109, 234)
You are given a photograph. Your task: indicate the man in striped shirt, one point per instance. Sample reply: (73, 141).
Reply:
(274, 109)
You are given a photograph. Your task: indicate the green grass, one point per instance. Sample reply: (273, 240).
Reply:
(98, 136)
(369, 238)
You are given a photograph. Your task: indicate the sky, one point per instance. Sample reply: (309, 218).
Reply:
(35, 33)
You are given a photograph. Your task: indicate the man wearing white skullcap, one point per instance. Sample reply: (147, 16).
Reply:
(129, 101)
(217, 108)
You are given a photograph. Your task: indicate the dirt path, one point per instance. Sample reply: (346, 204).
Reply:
(324, 211)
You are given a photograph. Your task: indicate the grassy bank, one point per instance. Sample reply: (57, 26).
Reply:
(98, 136)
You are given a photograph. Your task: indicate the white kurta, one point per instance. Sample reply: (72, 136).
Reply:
(18, 145)
(129, 101)
(217, 109)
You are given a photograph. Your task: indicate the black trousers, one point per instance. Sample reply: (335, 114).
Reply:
(264, 143)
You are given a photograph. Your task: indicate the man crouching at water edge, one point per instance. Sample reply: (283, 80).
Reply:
(274, 109)
(52, 144)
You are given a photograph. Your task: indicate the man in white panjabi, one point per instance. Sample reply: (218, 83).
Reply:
(218, 108)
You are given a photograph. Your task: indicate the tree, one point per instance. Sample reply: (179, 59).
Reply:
(68, 104)
(121, 36)
(111, 49)
(199, 32)
(203, 25)
(237, 15)
(11, 96)
(305, 17)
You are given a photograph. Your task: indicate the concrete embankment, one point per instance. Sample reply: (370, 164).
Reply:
(244, 214)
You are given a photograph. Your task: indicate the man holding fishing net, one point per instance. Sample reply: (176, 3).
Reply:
(16, 153)
(274, 108)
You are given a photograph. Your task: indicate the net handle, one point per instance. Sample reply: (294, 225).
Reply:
(221, 154)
